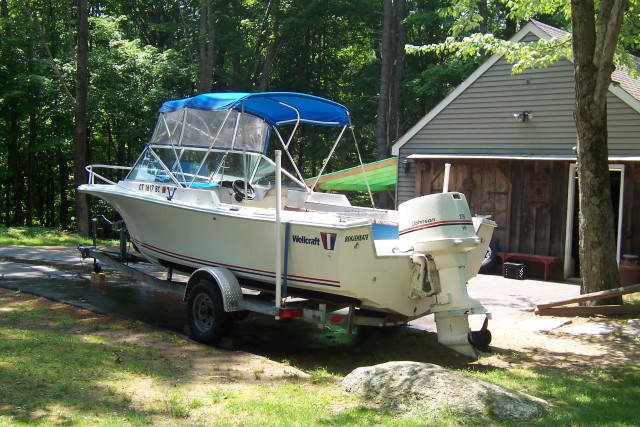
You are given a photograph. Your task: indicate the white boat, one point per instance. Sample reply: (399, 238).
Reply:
(203, 196)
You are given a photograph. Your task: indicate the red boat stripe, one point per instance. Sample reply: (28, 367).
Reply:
(315, 280)
(436, 224)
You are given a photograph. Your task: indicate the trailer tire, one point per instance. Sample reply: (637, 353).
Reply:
(207, 319)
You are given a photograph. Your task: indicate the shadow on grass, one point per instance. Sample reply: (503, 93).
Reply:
(307, 347)
(54, 363)
(599, 389)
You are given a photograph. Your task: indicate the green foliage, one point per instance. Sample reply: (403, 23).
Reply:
(126, 89)
(523, 10)
(522, 55)
(141, 56)
(465, 40)
(41, 236)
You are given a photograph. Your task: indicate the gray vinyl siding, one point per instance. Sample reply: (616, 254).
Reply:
(481, 120)
(405, 186)
(623, 124)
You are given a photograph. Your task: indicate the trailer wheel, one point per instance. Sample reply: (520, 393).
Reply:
(207, 319)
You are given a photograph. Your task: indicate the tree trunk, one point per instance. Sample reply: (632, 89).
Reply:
(389, 117)
(46, 208)
(484, 13)
(386, 63)
(205, 43)
(14, 180)
(270, 53)
(80, 110)
(63, 169)
(14, 166)
(211, 46)
(33, 138)
(7, 208)
(180, 9)
(593, 48)
(33, 100)
(396, 92)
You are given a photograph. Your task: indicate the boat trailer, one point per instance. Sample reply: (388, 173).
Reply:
(235, 300)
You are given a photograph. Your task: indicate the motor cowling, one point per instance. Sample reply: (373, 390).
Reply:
(437, 223)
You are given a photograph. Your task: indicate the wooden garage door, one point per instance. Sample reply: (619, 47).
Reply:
(486, 188)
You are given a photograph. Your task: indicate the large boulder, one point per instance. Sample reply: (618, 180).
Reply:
(422, 388)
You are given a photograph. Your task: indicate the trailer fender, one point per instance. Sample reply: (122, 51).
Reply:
(226, 282)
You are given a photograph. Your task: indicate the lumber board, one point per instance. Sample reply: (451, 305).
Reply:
(594, 296)
(588, 310)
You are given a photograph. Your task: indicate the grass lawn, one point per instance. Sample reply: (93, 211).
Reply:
(41, 236)
(60, 365)
(65, 366)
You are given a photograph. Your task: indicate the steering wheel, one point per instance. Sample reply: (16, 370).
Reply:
(238, 187)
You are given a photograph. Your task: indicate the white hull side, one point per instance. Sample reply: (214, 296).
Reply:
(207, 233)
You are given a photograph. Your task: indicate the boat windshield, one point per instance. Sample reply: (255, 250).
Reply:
(189, 166)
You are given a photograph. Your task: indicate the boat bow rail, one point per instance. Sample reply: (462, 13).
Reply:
(92, 174)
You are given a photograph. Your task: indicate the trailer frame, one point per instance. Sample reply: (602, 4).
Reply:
(235, 298)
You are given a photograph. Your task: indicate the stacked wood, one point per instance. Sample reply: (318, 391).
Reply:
(562, 308)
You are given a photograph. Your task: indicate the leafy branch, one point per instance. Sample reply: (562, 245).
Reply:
(43, 40)
(522, 55)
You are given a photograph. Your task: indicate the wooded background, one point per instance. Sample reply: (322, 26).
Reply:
(142, 53)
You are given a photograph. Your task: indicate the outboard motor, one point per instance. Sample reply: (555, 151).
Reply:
(441, 227)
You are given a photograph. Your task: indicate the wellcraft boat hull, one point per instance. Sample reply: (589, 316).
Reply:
(286, 239)
(329, 255)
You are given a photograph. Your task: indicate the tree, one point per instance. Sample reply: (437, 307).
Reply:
(594, 42)
(270, 33)
(79, 105)
(206, 46)
(80, 110)
(13, 132)
(140, 54)
(594, 45)
(389, 117)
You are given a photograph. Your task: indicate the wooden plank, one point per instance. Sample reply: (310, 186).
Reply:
(558, 207)
(543, 210)
(588, 310)
(517, 208)
(502, 207)
(528, 234)
(594, 296)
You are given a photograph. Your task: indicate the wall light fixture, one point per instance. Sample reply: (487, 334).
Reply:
(406, 166)
(524, 116)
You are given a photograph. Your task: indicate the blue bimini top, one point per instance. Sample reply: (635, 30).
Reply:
(276, 108)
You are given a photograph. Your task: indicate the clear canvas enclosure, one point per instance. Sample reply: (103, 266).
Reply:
(225, 130)
(223, 137)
